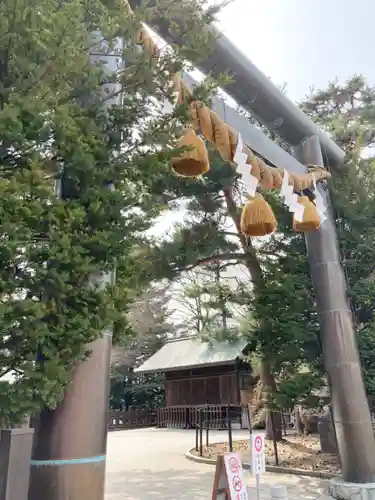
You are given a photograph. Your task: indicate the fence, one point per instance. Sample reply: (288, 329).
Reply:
(232, 415)
(132, 418)
(187, 417)
(205, 423)
(182, 417)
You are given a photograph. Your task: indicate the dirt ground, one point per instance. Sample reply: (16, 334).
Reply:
(298, 452)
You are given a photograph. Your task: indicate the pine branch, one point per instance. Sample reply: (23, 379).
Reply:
(220, 257)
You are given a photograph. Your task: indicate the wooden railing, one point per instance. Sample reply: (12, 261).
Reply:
(181, 417)
(187, 417)
(132, 418)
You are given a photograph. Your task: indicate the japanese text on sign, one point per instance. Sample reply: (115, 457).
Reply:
(258, 459)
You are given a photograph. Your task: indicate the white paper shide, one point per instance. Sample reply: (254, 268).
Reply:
(290, 198)
(243, 168)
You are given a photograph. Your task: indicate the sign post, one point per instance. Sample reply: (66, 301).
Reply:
(258, 458)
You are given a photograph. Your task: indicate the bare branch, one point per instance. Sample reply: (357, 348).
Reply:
(220, 257)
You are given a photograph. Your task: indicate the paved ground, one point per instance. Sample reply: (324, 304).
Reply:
(150, 464)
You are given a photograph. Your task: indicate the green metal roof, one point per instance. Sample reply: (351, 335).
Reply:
(191, 352)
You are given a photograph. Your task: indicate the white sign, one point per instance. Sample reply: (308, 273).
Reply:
(258, 457)
(236, 483)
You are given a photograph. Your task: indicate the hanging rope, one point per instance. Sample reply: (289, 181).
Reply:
(224, 138)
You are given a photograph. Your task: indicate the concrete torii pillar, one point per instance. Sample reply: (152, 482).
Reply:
(351, 414)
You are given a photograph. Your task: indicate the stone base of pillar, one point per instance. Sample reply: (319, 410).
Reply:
(340, 490)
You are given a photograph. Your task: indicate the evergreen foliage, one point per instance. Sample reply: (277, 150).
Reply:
(149, 317)
(53, 124)
(347, 112)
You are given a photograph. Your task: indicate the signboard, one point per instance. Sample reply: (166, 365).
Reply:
(236, 482)
(258, 458)
(229, 483)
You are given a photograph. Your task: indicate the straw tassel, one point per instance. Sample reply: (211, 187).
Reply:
(311, 219)
(266, 179)
(193, 161)
(297, 183)
(257, 217)
(277, 178)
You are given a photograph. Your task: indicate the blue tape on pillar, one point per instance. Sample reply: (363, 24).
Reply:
(72, 461)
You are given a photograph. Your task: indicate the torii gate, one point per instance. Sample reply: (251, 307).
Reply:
(257, 94)
(356, 443)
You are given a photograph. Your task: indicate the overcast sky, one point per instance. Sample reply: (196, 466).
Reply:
(304, 42)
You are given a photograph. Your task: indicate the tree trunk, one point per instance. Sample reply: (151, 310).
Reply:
(298, 424)
(273, 429)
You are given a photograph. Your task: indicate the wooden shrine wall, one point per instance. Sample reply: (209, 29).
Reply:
(212, 385)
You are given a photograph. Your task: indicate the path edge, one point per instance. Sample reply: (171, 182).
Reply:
(269, 468)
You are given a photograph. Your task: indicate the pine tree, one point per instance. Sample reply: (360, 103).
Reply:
(210, 303)
(211, 234)
(290, 337)
(347, 112)
(149, 319)
(52, 124)
(284, 327)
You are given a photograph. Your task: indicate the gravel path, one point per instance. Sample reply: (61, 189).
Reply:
(150, 464)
